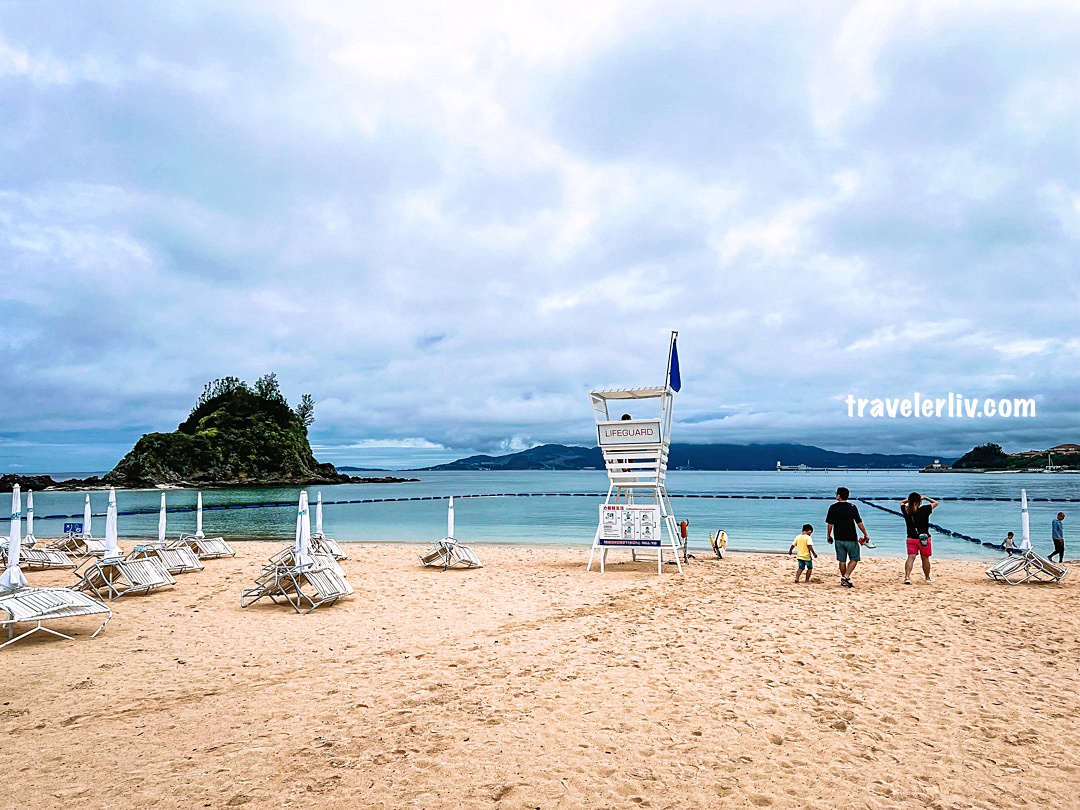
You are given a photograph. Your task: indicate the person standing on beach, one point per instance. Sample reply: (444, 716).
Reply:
(841, 520)
(916, 511)
(1010, 544)
(803, 546)
(1057, 534)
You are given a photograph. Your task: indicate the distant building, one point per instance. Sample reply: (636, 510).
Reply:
(1065, 448)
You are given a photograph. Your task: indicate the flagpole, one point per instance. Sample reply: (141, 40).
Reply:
(671, 345)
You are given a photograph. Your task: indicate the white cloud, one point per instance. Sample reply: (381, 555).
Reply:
(449, 222)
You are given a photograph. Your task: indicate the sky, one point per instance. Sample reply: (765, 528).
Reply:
(450, 222)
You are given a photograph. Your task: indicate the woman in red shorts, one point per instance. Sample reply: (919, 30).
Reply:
(916, 510)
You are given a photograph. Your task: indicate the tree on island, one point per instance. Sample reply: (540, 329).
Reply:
(236, 434)
(986, 457)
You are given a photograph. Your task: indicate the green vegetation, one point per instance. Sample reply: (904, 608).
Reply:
(235, 434)
(992, 457)
(985, 457)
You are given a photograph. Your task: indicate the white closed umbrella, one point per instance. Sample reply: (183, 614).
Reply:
(30, 539)
(1025, 526)
(198, 519)
(12, 578)
(450, 519)
(112, 547)
(318, 515)
(86, 517)
(161, 523)
(302, 546)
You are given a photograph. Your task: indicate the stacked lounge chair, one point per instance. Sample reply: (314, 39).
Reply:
(320, 543)
(23, 604)
(176, 559)
(448, 552)
(112, 576)
(81, 544)
(205, 548)
(1029, 566)
(303, 579)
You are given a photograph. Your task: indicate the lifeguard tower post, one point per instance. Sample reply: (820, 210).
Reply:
(637, 512)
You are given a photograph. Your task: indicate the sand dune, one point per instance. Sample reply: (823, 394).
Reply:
(531, 683)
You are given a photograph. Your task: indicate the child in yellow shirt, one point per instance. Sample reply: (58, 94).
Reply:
(804, 546)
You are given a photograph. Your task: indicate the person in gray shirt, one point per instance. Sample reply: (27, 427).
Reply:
(1057, 534)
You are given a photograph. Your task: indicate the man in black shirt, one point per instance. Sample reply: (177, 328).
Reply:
(841, 520)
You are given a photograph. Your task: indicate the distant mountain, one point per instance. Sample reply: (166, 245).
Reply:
(691, 456)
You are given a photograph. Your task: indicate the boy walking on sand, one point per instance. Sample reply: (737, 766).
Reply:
(803, 546)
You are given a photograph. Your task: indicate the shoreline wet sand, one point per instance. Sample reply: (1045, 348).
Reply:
(531, 683)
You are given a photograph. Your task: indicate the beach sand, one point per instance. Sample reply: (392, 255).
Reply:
(533, 684)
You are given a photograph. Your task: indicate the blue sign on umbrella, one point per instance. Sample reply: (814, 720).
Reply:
(72, 528)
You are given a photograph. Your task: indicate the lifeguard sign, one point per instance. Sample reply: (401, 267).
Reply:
(637, 512)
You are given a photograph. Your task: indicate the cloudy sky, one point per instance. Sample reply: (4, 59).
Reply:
(449, 221)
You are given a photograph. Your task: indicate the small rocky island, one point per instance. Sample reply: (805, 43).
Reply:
(236, 436)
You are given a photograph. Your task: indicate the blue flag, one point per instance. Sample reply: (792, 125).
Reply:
(674, 378)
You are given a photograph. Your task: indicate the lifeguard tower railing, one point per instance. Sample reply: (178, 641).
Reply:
(637, 512)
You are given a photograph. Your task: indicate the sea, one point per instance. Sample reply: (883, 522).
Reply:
(759, 511)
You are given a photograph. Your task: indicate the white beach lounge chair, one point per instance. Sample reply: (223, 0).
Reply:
(109, 579)
(79, 545)
(39, 558)
(296, 575)
(325, 545)
(303, 587)
(1044, 570)
(320, 543)
(176, 560)
(40, 605)
(205, 548)
(448, 552)
(1010, 567)
(1027, 567)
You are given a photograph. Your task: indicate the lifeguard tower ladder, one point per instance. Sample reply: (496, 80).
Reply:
(637, 512)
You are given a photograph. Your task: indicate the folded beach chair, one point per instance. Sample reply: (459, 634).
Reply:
(40, 558)
(303, 587)
(80, 545)
(448, 552)
(321, 544)
(39, 605)
(1008, 569)
(176, 560)
(1044, 570)
(1027, 567)
(287, 558)
(296, 575)
(109, 579)
(205, 548)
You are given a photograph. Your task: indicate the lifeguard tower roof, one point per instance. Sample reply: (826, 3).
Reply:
(629, 393)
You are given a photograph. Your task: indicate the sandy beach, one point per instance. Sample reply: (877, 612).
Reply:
(533, 684)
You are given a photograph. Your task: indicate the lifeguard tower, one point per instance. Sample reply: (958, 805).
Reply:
(637, 513)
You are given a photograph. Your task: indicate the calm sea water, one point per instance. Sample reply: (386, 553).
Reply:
(557, 513)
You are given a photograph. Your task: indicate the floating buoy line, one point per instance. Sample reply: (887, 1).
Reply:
(868, 501)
